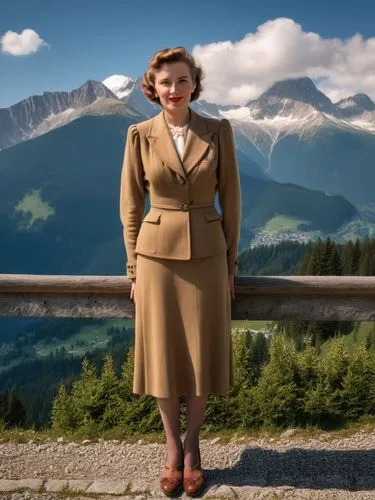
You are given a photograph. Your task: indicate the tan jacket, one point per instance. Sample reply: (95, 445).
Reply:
(182, 222)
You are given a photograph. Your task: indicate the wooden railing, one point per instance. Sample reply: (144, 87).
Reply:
(261, 297)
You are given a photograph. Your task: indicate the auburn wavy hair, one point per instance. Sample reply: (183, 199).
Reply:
(178, 54)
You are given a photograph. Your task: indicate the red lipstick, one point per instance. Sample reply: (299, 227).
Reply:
(175, 99)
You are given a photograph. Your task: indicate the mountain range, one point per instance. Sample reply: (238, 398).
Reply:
(300, 156)
(293, 132)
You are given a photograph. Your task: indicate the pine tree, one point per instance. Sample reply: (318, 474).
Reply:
(303, 266)
(4, 399)
(372, 258)
(334, 263)
(314, 266)
(242, 347)
(326, 255)
(347, 258)
(85, 394)
(127, 374)
(326, 401)
(365, 259)
(63, 416)
(358, 383)
(276, 397)
(111, 396)
(356, 258)
(309, 366)
(259, 356)
(16, 412)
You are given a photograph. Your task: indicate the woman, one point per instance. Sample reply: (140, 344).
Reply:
(182, 256)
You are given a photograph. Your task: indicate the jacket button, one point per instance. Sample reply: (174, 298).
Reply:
(185, 206)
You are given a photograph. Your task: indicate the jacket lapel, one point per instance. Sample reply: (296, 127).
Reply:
(196, 143)
(162, 143)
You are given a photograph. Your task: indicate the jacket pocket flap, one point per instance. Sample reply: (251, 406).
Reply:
(209, 159)
(212, 216)
(152, 217)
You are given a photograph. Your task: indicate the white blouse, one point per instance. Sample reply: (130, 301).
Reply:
(179, 135)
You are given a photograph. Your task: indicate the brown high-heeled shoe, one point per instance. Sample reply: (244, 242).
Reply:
(173, 484)
(194, 480)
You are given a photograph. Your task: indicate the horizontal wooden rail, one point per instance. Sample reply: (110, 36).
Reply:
(257, 297)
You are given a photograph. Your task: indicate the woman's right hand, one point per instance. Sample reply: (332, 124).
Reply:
(132, 290)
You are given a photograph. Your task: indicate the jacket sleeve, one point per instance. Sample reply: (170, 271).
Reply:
(132, 197)
(229, 192)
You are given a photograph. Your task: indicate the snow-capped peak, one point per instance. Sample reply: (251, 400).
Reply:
(297, 90)
(355, 105)
(120, 85)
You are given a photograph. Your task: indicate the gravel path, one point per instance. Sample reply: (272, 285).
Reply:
(288, 467)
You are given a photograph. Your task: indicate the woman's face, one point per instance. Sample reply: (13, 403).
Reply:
(174, 85)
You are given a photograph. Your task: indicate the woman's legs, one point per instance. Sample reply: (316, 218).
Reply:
(170, 414)
(196, 406)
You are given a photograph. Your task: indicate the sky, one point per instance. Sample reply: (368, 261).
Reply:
(244, 46)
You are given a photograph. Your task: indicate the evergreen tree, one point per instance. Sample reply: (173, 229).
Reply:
(296, 330)
(224, 411)
(4, 399)
(259, 356)
(303, 265)
(358, 393)
(356, 258)
(334, 263)
(127, 373)
(242, 344)
(16, 412)
(314, 266)
(365, 259)
(309, 366)
(348, 258)
(326, 255)
(63, 415)
(85, 394)
(275, 399)
(111, 397)
(324, 403)
(372, 258)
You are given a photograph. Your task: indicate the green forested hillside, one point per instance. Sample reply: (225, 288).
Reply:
(264, 199)
(59, 200)
(328, 160)
(36, 380)
(280, 259)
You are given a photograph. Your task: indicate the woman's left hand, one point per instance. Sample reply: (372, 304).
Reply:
(231, 285)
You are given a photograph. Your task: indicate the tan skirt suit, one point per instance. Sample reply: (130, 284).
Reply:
(181, 253)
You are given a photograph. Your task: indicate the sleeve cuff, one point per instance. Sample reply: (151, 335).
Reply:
(233, 267)
(131, 270)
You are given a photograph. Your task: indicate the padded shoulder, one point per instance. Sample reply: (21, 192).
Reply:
(132, 130)
(213, 123)
(144, 126)
(225, 122)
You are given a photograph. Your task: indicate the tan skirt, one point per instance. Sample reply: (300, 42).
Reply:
(183, 344)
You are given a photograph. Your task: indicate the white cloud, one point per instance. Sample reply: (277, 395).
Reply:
(239, 71)
(21, 44)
